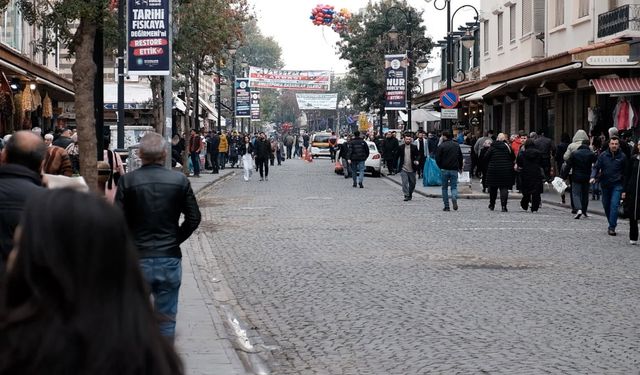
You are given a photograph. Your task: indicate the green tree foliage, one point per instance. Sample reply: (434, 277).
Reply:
(366, 44)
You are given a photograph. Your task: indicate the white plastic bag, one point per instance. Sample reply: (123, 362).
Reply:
(559, 185)
(464, 177)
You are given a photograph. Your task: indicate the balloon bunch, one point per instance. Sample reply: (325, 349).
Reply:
(322, 15)
(341, 21)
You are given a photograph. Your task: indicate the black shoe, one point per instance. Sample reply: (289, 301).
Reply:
(261, 179)
(492, 207)
(410, 196)
(524, 206)
(611, 232)
(455, 204)
(574, 212)
(446, 209)
(406, 198)
(346, 177)
(360, 184)
(504, 209)
(484, 190)
(354, 184)
(584, 214)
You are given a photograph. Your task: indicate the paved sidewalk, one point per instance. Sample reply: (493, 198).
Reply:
(201, 340)
(474, 191)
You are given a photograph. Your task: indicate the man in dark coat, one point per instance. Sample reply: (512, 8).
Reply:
(19, 179)
(358, 154)
(212, 151)
(499, 160)
(609, 171)
(579, 164)
(409, 164)
(262, 151)
(548, 151)
(390, 152)
(449, 159)
(529, 162)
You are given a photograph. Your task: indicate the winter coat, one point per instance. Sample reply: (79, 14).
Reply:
(580, 163)
(359, 149)
(545, 146)
(500, 165)
(632, 188)
(609, 169)
(390, 148)
(433, 145)
(580, 136)
(244, 148)
(262, 149)
(449, 156)
(415, 156)
(223, 146)
(531, 175)
(561, 148)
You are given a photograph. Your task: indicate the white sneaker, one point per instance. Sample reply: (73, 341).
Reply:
(578, 214)
(632, 242)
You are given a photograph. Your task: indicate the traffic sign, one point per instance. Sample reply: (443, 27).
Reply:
(448, 113)
(475, 121)
(449, 99)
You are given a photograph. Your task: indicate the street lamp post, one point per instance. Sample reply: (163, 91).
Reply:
(232, 52)
(421, 63)
(467, 40)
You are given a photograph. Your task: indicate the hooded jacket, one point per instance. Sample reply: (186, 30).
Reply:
(580, 136)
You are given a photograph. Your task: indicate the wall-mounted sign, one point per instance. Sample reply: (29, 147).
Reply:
(610, 60)
(451, 114)
(148, 47)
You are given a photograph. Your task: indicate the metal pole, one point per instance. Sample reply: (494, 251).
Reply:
(98, 91)
(409, 76)
(219, 101)
(196, 104)
(233, 92)
(448, 123)
(121, 42)
(168, 92)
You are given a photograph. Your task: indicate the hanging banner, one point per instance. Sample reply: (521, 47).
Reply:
(395, 73)
(255, 105)
(317, 101)
(300, 80)
(148, 37)
(243, 98)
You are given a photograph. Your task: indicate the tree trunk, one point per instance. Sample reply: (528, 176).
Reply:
(157, 83)
(84, 71)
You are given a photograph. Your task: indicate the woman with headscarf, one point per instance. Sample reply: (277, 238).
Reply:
(499, 171)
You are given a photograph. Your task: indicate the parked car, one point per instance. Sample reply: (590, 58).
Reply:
(373, 164)
(320, 144)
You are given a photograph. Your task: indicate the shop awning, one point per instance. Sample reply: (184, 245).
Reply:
(208, 108)
(478, 95)
(179, 104)
(429, 104)
(136, 96)
(545, 74)
(420, 115)
(616, 86)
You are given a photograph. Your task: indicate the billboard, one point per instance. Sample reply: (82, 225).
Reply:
(395, 75)
(243, 98)
(148, 37)
(317, 101)
(255, 105)
(300, 80)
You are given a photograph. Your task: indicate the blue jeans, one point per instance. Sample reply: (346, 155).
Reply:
(164, 275)
(610, 202)
(195, 161)
(357, 171)
(449, 178)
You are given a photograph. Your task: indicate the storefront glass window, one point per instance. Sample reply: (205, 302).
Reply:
(11, 26)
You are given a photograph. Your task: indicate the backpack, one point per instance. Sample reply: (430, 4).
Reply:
(114, 177)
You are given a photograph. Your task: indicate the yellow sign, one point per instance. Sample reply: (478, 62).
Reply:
(363, 124)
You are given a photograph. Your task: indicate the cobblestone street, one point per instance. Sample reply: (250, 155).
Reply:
(337, 280)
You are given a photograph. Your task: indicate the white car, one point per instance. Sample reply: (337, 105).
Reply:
(373, 164)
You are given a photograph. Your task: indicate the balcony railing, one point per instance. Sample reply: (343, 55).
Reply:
(622, 19)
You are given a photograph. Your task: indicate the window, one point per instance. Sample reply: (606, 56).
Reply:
(583, 8)
(486, 37)
(512, 23)
(500, 29)
(559, 13)
(527, 16)
(11, 26)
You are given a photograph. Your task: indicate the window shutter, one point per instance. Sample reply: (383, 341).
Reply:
(539, 14)
(527, 16)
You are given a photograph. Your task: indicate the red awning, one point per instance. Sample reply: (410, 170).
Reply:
(617, 86)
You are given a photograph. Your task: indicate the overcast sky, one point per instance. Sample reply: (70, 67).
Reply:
(309, 47)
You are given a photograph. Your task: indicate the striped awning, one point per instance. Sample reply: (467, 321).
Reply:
(616, 86)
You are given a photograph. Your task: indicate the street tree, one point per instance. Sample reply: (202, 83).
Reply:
(366, 43)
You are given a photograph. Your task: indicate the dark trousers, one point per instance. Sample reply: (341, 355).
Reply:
(580, 195)
(493, 194)
(391, 165)
(422, 160)
(633, 230)
(332, 152)
(263, 166)
(289, 150)
(534, 198)
(195, 160)
(214, 162)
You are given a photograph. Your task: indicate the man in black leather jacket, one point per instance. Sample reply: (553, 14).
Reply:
(19, 180)
(153, 198)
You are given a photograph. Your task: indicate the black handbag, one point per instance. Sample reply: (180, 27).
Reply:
(622, 212)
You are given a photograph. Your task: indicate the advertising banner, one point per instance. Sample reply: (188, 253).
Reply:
(255, 105)
(243, 98)
(317, 101)
(148, 37)
(395, 74)
(300, 80)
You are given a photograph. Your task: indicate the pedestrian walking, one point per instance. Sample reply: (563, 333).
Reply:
(288, 142)
(212, 152)
(500, 173)
(274, 149)
(76, 303)
(423, 150)
(577, 141)
(20, 180)
(358, 153)
(609, 171)
(195, 143)
(155, 224)
(483, 164)
(409, 164)
(390, 152)
(333, 146)
(343, 153)
(561, 148)
(449, 158)
(246, 152)
(548, 151)
(262, 153)
(530, 164)
(578, 167)
(223, 149)
(632, 194)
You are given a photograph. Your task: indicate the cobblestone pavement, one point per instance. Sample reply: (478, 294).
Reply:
(355, 281)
